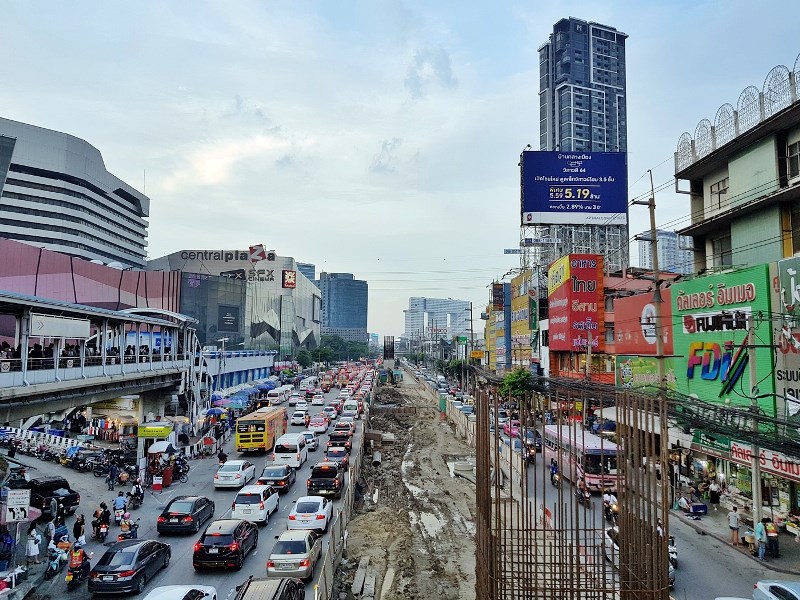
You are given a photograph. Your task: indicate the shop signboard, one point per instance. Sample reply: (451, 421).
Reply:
(520, 322)
(710, 317)
(716, 444)
(634, 324)
(786, 296)
(770, 460)
(576, 303)
(642, 372)
(154, 430)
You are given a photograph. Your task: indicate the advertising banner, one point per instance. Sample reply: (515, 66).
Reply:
(786, 303)
(710, 317)
(289, 278)
(497, 296)
(576, 303)
(634, 324)
(642, 372)
(574, 188)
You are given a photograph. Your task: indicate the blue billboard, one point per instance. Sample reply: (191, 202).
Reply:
(574, 188)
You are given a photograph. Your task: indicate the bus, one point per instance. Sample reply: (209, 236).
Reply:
(259, 430)
(583, 455)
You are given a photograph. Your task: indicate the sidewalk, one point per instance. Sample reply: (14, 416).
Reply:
(715, 524)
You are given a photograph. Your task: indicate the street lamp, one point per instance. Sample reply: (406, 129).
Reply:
(221, 363)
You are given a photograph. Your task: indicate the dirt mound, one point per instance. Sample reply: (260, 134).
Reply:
(415, 522)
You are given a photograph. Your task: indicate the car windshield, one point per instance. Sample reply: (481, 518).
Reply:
(229, 468)
(116, 559)
(289, 547)
(180, 507)
(323, 473)
(248, 498)
(298, 415)
(307, 507)
(218, 539)
(275, 472)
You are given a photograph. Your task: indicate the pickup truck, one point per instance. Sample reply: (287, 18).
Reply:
(326, 478)
(340, 438)
(44, 488)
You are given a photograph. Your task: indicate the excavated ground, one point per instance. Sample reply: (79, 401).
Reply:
(416, 521)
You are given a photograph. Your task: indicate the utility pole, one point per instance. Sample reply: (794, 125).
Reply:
(755, 451)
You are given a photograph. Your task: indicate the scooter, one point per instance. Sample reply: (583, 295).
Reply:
(56, 558)
(118, 515)
(76, 576)
(611, 511)
(555, 479)
(584, 498)
(130, 535)
(102, 532)
(134, 501)
(672, 550)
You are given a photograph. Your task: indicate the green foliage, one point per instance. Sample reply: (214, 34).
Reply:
(340, 349)
(416, 357)
(518, 383)
(456, 368)
(304, 359)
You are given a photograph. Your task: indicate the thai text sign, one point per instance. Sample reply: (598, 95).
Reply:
(577, 312)
(576, 188)
(771, 461)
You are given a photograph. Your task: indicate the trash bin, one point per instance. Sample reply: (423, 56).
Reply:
(166, 475)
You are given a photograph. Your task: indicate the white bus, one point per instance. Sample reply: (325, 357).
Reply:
(583, 455)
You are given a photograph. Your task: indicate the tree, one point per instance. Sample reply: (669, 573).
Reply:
(304, 359)
(518, 384)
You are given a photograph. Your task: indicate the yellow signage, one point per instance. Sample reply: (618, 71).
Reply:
(154, 430)
(557, 274)
(476, 354)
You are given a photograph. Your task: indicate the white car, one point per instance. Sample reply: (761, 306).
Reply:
(255, 503)
(298, 417)
(312, 439)
(611, 551)
(235, 473)
(301, 405)
(311, 512)
(773, 589)
(330, 412)
(318, 400)
(183, 592)
(318, 424)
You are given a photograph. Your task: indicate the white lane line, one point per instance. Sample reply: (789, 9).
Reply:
(233, 590)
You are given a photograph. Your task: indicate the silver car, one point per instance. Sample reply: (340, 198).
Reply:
(294, 554)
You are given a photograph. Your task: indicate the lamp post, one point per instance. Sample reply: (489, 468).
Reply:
(221, 363)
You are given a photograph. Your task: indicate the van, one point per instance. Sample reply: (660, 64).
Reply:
(350, 404)
(290, 449)
(277, 396)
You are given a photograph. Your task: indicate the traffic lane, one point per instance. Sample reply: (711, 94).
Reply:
(182, 571)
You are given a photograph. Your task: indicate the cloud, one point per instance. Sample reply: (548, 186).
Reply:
(385, 161)
(430, 66)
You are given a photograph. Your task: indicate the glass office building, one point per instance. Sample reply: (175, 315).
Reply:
(344, 306)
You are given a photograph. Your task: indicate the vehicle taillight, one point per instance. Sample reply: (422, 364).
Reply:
(270, 563)
(126, 574)
(162, 520)
(94, 575)
(261, 505)
(298, 456)
(234, 546)
(292, 517)
(79, 498)
(233, 505)
(238, 476)
(188, 519)
(320, 517)
(305, 562)
(216, 475)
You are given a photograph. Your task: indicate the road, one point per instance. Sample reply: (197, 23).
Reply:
(707, 568)
(180, 570)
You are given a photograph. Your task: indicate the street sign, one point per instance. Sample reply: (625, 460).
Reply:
(512, 251)
(535, 241)
(17, 504)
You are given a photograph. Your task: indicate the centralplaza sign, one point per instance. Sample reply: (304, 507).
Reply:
(221, 255)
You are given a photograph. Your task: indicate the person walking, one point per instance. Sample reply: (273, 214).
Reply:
(50, 530)
(32, 549)
(761, 538)
(713, 494)
(733, 524)
(772, 538)
(111, 478)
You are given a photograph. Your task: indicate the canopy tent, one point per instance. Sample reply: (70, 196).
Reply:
(161, 448)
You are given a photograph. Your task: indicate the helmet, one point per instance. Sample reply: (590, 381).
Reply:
(120, 494)
(126, 515)
(63, 538)
(77, 546)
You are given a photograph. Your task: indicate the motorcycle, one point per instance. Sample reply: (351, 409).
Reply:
(134, 501)
(672, 550)
(584, 497)
(611, 511)
(56, 559)
(102, 532)
(76, 576)
(118, 515)
(130, 535)
(555, 479)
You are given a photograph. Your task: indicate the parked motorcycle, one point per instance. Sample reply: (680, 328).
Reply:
(56, 559)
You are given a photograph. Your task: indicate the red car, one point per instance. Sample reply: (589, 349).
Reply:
(511, 428)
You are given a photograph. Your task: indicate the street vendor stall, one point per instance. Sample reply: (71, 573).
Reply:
(159, 467)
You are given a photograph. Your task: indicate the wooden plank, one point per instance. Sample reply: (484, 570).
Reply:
(369, 582)
(361, 573)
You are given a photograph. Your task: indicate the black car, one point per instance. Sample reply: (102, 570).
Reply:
(326, 478)
(225, 543)
(285, 588)
(281, 477)
(127, 566)
(185, 514)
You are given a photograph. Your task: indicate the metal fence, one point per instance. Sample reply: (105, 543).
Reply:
(323, 590)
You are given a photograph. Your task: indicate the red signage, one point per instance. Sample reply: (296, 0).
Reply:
(634, 324)
(576, 309)
(289, 279)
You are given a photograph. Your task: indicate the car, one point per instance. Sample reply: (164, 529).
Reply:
(182, 592)
(255, 503)
(318, 424)
(337, 454)
(294, 398)
(312, 439)
(295, 553)
(511, 428)
(340, 438)
(225, 543)
(533, 438)
(298, 417)
(301, 405)
(185, 514)
(318, 399)
(772, 589)
(349, 416)
(281, 477)
(330, 412)
(43, 489)
(311, 512)
(344, 427)
(611, 552)
(467, 409)
(128, 565)
(235, 473)
(326, 478)
(259, 588)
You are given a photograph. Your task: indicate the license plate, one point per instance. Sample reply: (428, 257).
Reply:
(108, 578)
(285, 566)
(213, 550)
(247, 511)
(173, 520)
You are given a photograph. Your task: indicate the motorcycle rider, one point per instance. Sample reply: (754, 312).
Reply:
(138, 492)
(553, 469)
(120, 502)
(101, 516)
(78, 559)
(608, 498)
(223, 458)
(63, 544)
(126, 525)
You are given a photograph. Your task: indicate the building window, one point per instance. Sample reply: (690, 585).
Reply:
(719, 192)
(793, 158)
(723, 255)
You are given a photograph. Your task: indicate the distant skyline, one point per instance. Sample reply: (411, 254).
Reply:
(374, 138)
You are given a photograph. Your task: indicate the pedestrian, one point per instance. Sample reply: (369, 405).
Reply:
(772, 538)
(713, 494)
(53, 506)
(32, 549)
(79, 529)
(111, 478)
(733, 523)
(50, 530)
(761, 538)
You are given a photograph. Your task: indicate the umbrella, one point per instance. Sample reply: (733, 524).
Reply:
(222, 402)
(217, 395)
(238, 402)
(161, 447)
(214, 412)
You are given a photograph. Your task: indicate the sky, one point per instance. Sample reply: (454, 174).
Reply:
(376, 137)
